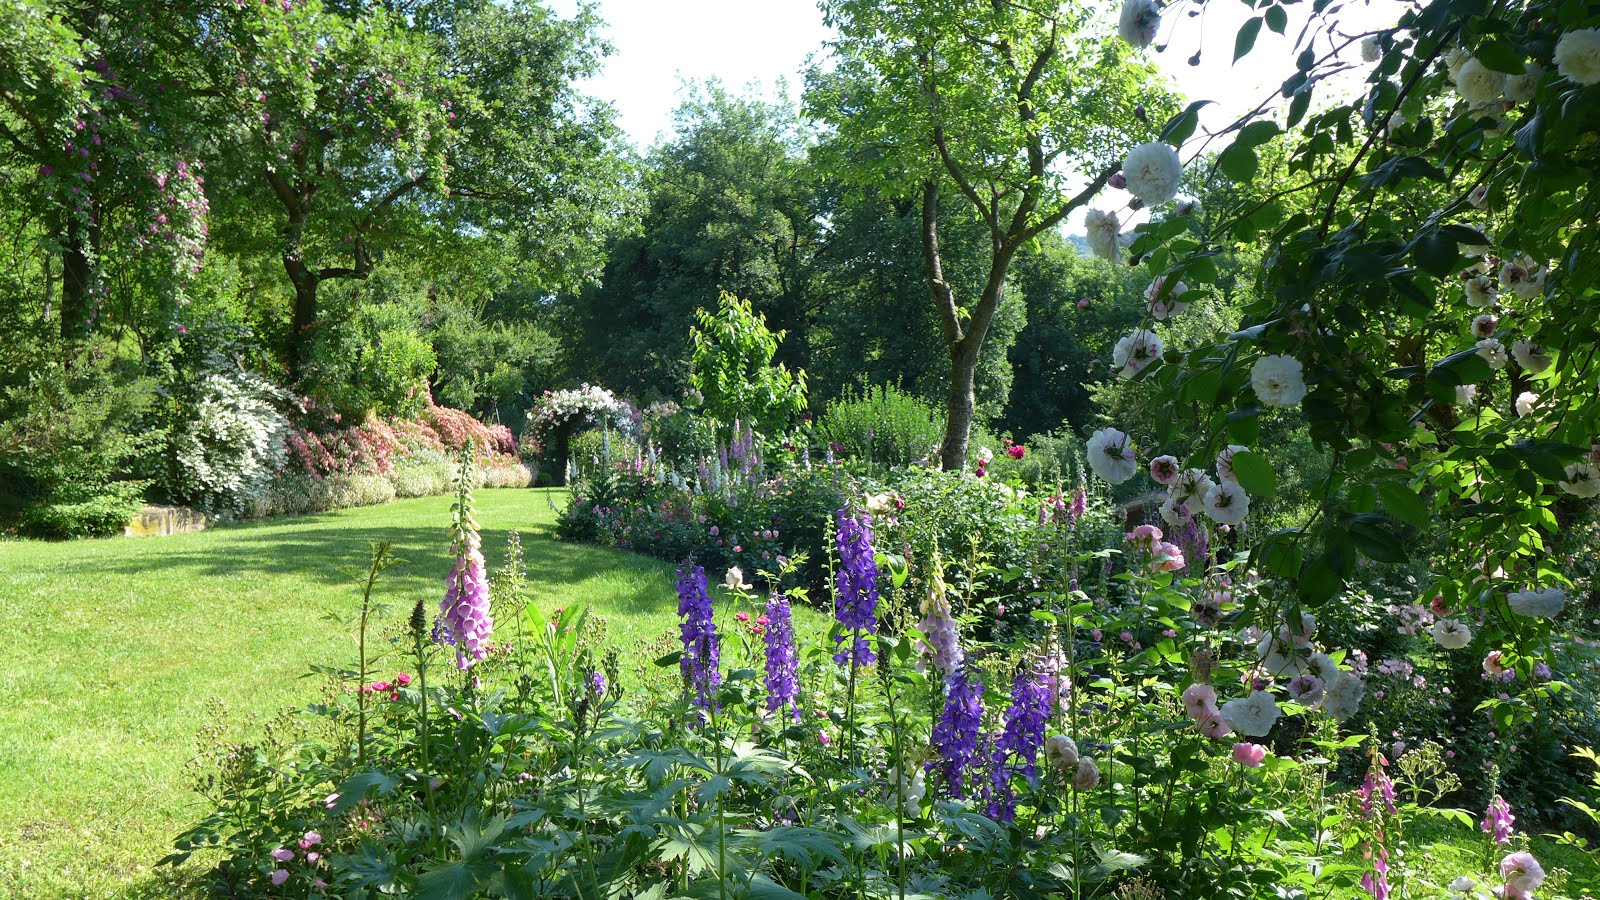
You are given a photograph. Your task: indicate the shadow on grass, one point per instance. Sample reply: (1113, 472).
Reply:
(334, 554)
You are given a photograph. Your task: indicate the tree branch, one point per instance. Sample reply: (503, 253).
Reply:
(944, 299)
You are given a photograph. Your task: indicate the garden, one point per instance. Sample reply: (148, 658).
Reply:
(1001, 473)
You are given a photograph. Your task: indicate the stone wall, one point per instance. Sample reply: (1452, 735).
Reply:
(154, 521)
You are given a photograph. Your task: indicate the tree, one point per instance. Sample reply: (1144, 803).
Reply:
(997, 99)
(731, 207)
(369, 129)
(733, 369)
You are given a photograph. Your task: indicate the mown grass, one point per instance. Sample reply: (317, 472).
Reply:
(115, 646)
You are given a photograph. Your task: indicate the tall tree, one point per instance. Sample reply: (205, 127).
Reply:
(368, 128)
(730, 208)
(998, 99)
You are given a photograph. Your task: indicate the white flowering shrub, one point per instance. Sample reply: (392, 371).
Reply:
(231, 442)
(564, 409)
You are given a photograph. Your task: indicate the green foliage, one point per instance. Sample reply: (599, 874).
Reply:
(69, 434)
(882, 426)
(730, 207)
(731, 365)
(374, 359)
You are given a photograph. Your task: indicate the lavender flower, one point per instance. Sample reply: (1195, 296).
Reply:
(956, 734)
(701, 647)
(1497, 821)
(856, 603)
(464, 620)
(1017, 750)
(783, 685)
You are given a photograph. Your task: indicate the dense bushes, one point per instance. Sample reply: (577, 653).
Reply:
(71, 435)
(881, 425)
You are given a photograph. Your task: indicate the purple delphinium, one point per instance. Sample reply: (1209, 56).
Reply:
(1017, 750)
(856, 603)
(956, 734)
(783, 685)
(701, 648)
(464, 620)
(1497, 821)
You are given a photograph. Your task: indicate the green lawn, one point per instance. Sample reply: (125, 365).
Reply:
(115, 647)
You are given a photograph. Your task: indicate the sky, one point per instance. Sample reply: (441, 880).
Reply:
(755, 44)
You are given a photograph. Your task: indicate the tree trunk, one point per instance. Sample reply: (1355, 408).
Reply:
(76, 281)
(301, 337)
(959, 408)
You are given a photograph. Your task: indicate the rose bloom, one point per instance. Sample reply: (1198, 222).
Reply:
(1249, 755)
(1164, 469)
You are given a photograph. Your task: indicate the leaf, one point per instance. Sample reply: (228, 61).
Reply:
(1436, 254)
(1403, 503)
(1255, 474)
(1277, 19)
(1238, 163)
(1182, 126)
(1246, 39)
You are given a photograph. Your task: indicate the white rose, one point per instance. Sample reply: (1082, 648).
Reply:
(1493, 352)
(1463, 885)
(1480, 291)
(1583, 480)
(1466, 394)
(1371, 49)
(1139, 21)
(1253, 716)
(1165, 307)
(1479, 84)
(985, 455)
(1578, 56)
(1525, 402)
(1484, 326)
(1538, 603)
(1135, 352)
(1111, 455)
(1086, 776)
(1102, 234)
(1531, 356)
(1342, 697)
(1153, 172)
(734, 580)
(1225, 462)
(1278, 381)
(1532, 286)
(1281, 657)
(1060, 750)
(1190, 490)
(1227, 503)
(1521, 88)
(1451, 634)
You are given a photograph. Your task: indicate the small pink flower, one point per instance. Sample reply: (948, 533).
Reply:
(742, 616)
(823, 739)
(279, 876)
(402, 679)
(1249, 755)
(319, 885)
(332, 799)
(283, 854)
(1083, 304)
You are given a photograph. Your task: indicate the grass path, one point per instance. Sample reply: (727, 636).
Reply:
(114, 647)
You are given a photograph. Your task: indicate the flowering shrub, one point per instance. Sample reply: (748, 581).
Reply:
(559, 411)
(231, 443)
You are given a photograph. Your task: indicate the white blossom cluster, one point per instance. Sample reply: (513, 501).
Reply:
(231, 442)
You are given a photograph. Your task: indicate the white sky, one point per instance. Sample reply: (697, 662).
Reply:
(660, 44)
